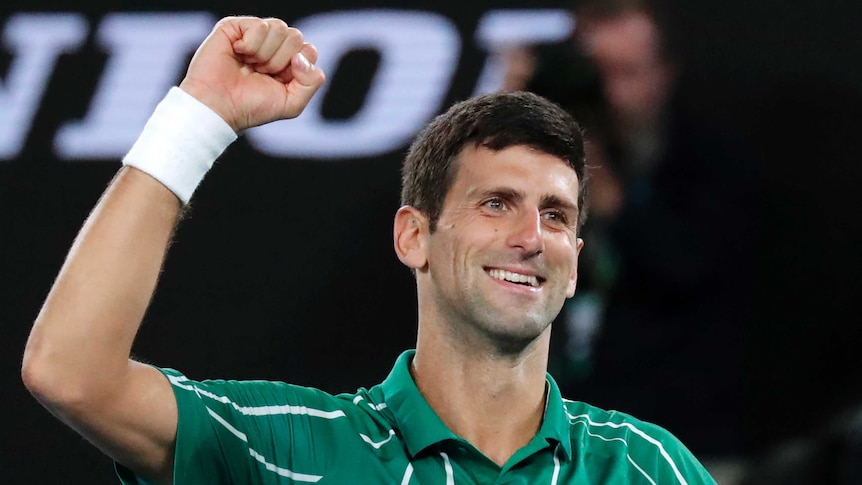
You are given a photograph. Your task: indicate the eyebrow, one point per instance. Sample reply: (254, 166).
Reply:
(548, 200)
(503, 193)
(560, 203)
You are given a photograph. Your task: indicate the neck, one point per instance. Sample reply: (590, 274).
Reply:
(494, 401)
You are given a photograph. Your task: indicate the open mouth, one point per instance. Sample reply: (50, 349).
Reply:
(531, 281)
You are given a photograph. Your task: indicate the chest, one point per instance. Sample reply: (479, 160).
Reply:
(459, 466)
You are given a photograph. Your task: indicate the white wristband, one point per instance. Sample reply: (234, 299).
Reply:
(180, 142)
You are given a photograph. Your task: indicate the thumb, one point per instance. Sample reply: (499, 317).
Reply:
(305, 80)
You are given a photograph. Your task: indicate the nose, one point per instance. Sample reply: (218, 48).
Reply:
(526, 233)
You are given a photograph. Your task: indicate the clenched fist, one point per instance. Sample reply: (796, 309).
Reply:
(252, 71)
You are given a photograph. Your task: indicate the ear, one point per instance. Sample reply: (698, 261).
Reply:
(573, 277)
(409, 233)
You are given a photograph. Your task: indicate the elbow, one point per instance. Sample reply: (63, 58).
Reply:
(49, 382)
(37, 378)
(32, 373)
(33, 378)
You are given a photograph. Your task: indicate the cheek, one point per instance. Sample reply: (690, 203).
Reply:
(446, 254)
(567, 255)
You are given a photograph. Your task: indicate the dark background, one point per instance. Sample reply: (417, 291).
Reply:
(284, 269)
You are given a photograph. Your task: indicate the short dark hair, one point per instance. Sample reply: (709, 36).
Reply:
(494, 121)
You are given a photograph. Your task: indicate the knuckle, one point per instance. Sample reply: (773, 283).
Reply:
(225, 21)
(294, 37)
(234, 19)
(277, 25)
(262, 25)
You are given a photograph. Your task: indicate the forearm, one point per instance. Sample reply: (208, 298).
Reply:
(248, 72)
(82, 338)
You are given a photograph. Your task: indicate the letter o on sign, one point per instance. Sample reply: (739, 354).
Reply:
(419, 53)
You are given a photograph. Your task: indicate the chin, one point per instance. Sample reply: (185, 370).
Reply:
(510, 341)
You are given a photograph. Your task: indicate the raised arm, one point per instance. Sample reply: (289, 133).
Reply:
(248, 71)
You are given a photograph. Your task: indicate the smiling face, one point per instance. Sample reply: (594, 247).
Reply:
(503, 257)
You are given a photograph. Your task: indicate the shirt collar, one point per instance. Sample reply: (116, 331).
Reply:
(420, 427)
(555, 425)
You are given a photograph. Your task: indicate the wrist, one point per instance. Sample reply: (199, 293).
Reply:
(211, 100)
(180, 142)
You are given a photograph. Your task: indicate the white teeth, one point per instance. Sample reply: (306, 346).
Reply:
(514, 277)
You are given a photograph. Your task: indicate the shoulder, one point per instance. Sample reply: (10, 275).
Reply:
(583, 416)
(258, 392)
(648, 447)
(259, 398)
(254, 428)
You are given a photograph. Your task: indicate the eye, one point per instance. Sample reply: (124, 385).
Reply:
(495, 204)
(555, 216)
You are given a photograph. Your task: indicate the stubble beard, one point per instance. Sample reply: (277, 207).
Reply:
(483, 326)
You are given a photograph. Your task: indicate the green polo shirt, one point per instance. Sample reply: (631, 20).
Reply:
(261, 432)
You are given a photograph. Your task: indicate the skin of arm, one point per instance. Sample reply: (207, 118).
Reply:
(250, 71)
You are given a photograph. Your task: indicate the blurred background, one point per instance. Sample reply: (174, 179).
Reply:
(720, 284)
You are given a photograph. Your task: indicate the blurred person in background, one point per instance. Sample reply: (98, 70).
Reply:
(624, 42)
(671, 204)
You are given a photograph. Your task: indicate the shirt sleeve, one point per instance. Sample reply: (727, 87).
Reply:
(249, 432)
(669, 459)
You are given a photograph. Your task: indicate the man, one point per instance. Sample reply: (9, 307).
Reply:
(626, 42)
(494, 196)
